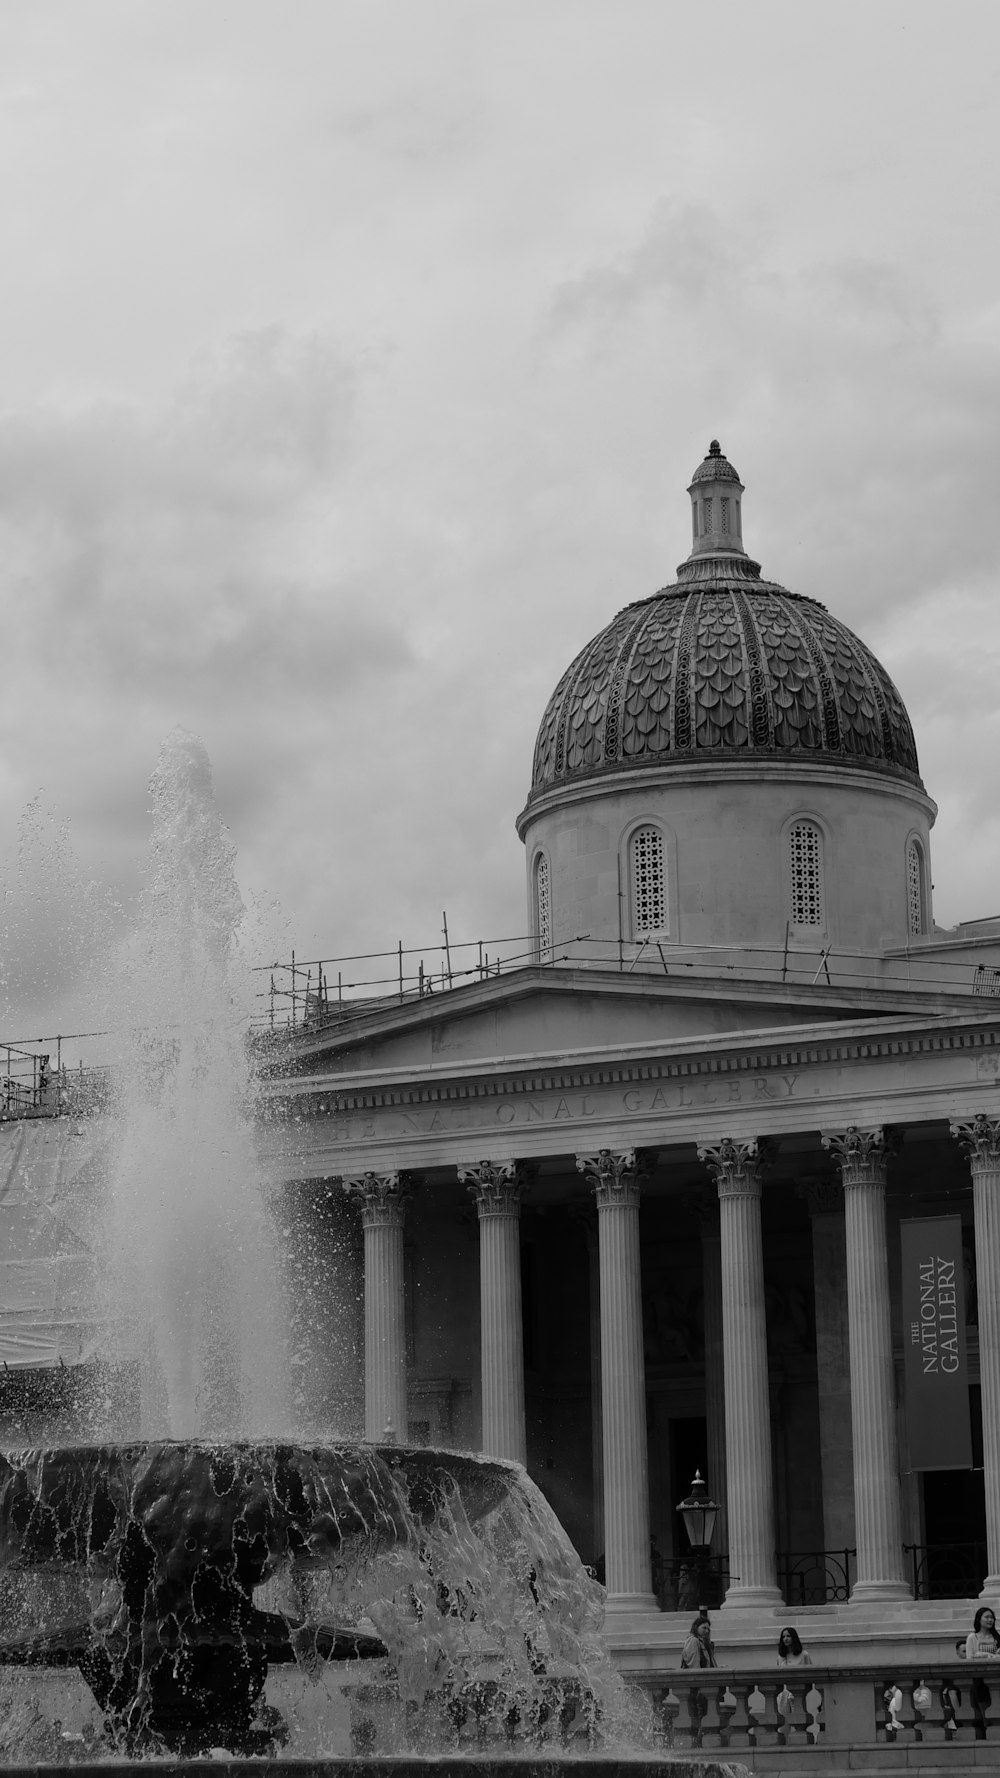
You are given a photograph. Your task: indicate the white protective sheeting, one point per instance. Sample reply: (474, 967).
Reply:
(51, 1174)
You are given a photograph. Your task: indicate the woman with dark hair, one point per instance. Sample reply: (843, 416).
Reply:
(698, 1650)
(792, 1654)
(982, 1644)
(790, 1650)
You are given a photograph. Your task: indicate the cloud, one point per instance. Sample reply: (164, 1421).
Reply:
(180, 564)
(683, 256)
(870, 412)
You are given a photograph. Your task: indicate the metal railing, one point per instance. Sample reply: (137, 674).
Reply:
(324, 991)
(806, 1577)
(318, 992)
(947, 1570)
(686, 1583)
(35, 1082)
(815, 1577)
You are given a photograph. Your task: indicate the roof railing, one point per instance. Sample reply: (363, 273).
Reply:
(328, 991)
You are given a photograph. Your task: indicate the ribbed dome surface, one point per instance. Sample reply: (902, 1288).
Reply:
(723, 666)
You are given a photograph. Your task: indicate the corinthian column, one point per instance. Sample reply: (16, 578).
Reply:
(623, 1381)
(981, 1141)
(877, 1510)
(383, 1205)
(496, 1187)
(735, 1167)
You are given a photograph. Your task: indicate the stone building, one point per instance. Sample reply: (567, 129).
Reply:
(634, 1207)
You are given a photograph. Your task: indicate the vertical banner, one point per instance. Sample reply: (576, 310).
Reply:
(937, 1377)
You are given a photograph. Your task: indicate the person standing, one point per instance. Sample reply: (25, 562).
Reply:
(698, 1649)
(982, 1644)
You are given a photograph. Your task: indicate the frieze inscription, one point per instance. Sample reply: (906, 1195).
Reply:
(520, 1112)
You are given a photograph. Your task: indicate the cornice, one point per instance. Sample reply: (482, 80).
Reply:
(939, 942)
(440, 1084)
(750, 768)
(691, 985)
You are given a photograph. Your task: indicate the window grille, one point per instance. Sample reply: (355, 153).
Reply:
(649, 891)
(543, 905)
(914, 890)
(706, 516)
(724, 518)
(805, 843)
(986, 980)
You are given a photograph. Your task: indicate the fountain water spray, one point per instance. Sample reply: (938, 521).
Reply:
(435, 1594)
(191, 1264)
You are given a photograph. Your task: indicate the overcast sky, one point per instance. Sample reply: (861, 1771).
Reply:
(354, 362)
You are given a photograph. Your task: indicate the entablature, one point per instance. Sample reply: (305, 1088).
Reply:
(879, 1071)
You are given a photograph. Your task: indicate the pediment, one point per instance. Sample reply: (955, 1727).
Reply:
(544, 1013)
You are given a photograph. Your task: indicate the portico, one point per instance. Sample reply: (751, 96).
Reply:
(781, 1130)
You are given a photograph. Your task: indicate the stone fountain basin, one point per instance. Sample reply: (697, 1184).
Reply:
(174, 1575)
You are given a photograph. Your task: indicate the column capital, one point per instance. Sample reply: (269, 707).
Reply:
(822, 1194)
(614, 1176)
(735, 1166)
(383, 1197)
(862, 1154)
(495, 1185)
(980, 1139)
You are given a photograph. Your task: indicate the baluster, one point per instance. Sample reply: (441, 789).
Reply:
(783, 1704)
(927, 1719)
(981, 1698)
(883, 1731)
(711, 1727)
(696, 1708)
(727, 1710)
(790, 1703)
(670, 1709)
(763, 1703)
(812, 1704)
(885, 1725)
(743, 1728)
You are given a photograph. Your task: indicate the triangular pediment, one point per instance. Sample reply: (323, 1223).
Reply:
(547, 1012)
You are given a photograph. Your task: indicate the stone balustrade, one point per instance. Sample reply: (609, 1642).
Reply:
(803, 1708)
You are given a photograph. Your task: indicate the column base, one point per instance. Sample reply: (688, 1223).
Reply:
(991, 1587)
(616, 1603)
(756, 1597)
(865, 1592)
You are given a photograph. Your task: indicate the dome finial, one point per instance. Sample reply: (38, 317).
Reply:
(716, 516)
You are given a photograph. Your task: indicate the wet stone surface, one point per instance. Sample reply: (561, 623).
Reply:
(173, 1576)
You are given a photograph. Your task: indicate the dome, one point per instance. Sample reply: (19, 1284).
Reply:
(722, 665)
(715, 467)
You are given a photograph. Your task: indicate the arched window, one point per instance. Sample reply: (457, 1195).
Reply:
(914, 888)
(805, 860)
(648, 880)
(543, 905)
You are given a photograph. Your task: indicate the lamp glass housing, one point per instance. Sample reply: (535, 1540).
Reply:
(699, 1512)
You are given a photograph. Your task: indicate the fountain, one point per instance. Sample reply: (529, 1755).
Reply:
(180, 1570)
(174, 1575)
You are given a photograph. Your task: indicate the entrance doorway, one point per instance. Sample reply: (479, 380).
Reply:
(951, 1562)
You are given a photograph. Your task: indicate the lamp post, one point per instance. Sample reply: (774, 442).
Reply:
(699, 1512)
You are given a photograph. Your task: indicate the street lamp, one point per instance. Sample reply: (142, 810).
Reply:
(699, 1512)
